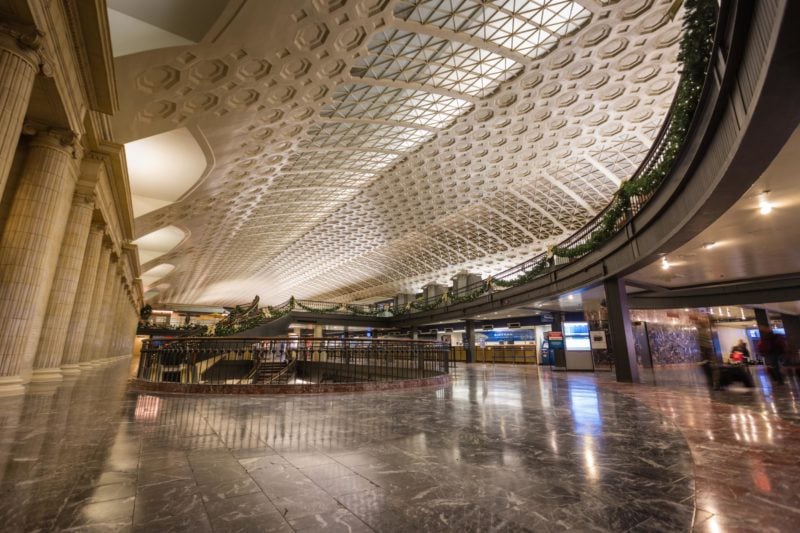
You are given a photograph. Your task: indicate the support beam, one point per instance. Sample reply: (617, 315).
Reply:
(622, 341)
(469, 341)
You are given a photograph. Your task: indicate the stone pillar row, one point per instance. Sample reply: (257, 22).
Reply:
(62, 294)
(30, 246)
(55, 286)
(19, 64)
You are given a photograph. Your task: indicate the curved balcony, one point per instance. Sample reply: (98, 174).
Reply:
(713, 145)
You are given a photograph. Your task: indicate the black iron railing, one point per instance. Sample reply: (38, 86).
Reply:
(290, 360)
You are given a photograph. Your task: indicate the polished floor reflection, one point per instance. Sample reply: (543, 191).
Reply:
(500, 449)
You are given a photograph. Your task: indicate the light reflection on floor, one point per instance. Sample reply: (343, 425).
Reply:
(501, 448)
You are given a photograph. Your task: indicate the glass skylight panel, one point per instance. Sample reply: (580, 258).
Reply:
(529, 27)
(377, 102)
(622, 157)
(369, 136)
(417, 58)
(341, 161)
(321, 179)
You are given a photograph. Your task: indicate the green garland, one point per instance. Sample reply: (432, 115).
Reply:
(695, 51)
(331, 309)
(227, 330)
(357, 310)
(468, 297)
(524, 277)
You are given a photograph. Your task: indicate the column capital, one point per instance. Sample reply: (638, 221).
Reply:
(60, 139)
(20, 38)
(98, 227)
(27, 43)
(84, 196)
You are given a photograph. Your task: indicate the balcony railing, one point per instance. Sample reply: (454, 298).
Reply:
(697, 47)
(290, 360)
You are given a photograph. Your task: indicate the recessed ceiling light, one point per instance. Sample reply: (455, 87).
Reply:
(764, 205)
(709, 245)
(665, 264)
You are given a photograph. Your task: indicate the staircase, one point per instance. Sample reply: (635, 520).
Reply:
(272, 372)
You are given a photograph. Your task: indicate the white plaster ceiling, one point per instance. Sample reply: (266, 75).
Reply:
(162, 168)
(131, 35)
(746, 243)
(367, 147)
(159, 242)
(156, 273)
(141, 25)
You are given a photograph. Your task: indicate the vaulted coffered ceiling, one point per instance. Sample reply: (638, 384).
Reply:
(360, 148)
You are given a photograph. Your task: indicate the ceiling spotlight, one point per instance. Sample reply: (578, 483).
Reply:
(709, 245)
(665, 264)
(764, 205)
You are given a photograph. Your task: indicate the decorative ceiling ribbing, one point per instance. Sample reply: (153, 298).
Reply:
(366, 147)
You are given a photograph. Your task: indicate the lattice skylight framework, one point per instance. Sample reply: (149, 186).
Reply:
(398, 55)
(340, 161)
(622, 156)
(321, 179)
(529, 27)
(367, 136)
(377, 102)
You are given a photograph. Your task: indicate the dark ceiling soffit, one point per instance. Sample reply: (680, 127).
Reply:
(748, 292)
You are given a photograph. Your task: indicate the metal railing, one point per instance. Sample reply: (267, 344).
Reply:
(221, 360)
(525, 355)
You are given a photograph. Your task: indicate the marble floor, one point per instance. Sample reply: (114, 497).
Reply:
(501, 448)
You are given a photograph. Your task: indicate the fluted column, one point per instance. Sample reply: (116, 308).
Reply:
(115, 330)
(85, 352)
(47, 364)
(131, 323)
(108, 321)
(19, 63)
(29, 250)
(98, 337)
(79, 317)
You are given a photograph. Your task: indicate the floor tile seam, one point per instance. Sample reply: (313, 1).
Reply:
(703, 478)
(656, 393)
(673, 423)
(645, 397)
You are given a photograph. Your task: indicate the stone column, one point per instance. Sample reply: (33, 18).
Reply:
(85, 352)
(116, 330)
(109, 322)
(559, 354)
(791, 325)
(79, 318)
(29, 250)
(47, 365)
(762, 318)
(131, 323)
(94, 343)
(469, 341)
(619, 322)
(19, 63)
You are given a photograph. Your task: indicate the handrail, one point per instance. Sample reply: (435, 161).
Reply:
(234, 361)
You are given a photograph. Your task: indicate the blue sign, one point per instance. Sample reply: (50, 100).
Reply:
(505, 336)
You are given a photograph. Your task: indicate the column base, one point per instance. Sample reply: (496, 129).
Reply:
(86, 364)
(11, 386)
(70, 370)
(43, 375)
